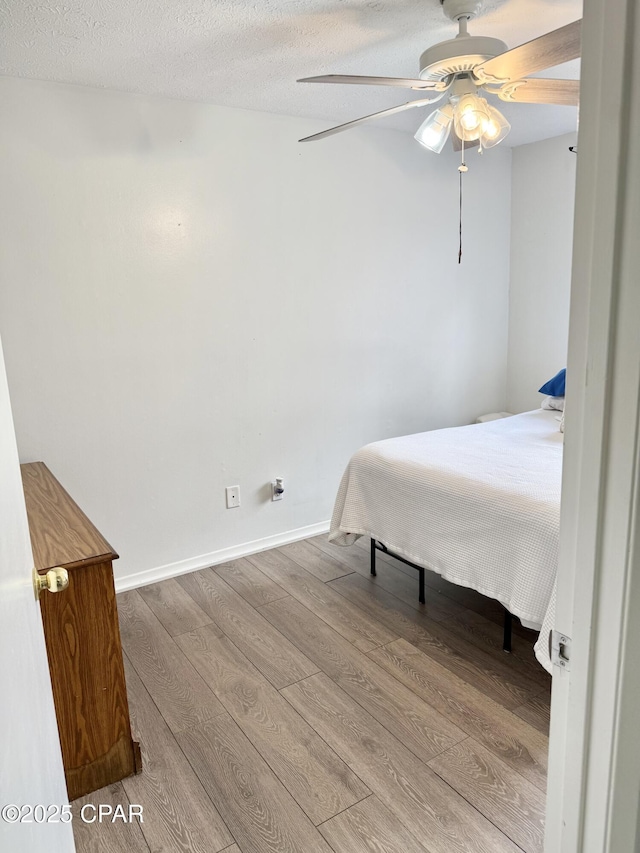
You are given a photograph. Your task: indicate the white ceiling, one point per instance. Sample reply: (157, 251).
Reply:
(248, 53)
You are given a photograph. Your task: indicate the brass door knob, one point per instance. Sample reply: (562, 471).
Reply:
(55, 580)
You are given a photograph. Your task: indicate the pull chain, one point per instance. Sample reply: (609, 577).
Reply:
(462, 168)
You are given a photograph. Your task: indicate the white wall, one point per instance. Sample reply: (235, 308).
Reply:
(191, 299)
(542, 201)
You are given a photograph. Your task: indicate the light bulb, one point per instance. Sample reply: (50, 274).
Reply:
(490, 129)
(469, 116)
(469, 119)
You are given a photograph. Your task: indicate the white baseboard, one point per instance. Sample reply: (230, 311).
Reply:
(183, 567)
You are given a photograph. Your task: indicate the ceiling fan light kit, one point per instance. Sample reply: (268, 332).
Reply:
(471, 116)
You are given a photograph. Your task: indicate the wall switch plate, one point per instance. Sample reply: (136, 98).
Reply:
(233, 496)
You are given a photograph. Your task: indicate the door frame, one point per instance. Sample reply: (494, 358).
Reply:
(594, 756)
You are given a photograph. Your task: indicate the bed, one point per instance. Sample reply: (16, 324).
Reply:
(478, 504)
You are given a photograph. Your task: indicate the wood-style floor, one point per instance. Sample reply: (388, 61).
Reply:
(290, 702)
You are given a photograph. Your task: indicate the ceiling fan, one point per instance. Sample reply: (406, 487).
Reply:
(463, 66)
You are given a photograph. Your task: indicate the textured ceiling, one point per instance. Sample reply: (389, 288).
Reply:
(248, 53)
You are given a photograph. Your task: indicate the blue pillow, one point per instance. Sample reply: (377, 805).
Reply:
(555, 387)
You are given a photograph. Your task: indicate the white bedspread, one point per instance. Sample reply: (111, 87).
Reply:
(479, 505)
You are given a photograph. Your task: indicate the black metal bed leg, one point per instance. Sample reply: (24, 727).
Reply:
(373, 557)
(508, 620)
(421, 598)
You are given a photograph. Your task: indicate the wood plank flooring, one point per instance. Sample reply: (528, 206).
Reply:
(287, 702)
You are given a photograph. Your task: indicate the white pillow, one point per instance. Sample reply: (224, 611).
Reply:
(555, 403)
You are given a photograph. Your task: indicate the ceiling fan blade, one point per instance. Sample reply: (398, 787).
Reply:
(536, 90)
(551, 49)
(403, 82)
(340, 127)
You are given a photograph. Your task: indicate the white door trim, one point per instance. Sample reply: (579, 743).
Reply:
(594, 763)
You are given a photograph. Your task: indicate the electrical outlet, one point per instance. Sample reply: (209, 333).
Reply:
(233, 496)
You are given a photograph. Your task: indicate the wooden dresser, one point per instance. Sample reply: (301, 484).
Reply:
(82, 636)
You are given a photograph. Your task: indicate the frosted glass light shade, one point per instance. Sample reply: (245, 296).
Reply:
(469, 117)
(435, 130)
(495, 128)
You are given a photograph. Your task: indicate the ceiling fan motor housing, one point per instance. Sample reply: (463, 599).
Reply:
(458, 55)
